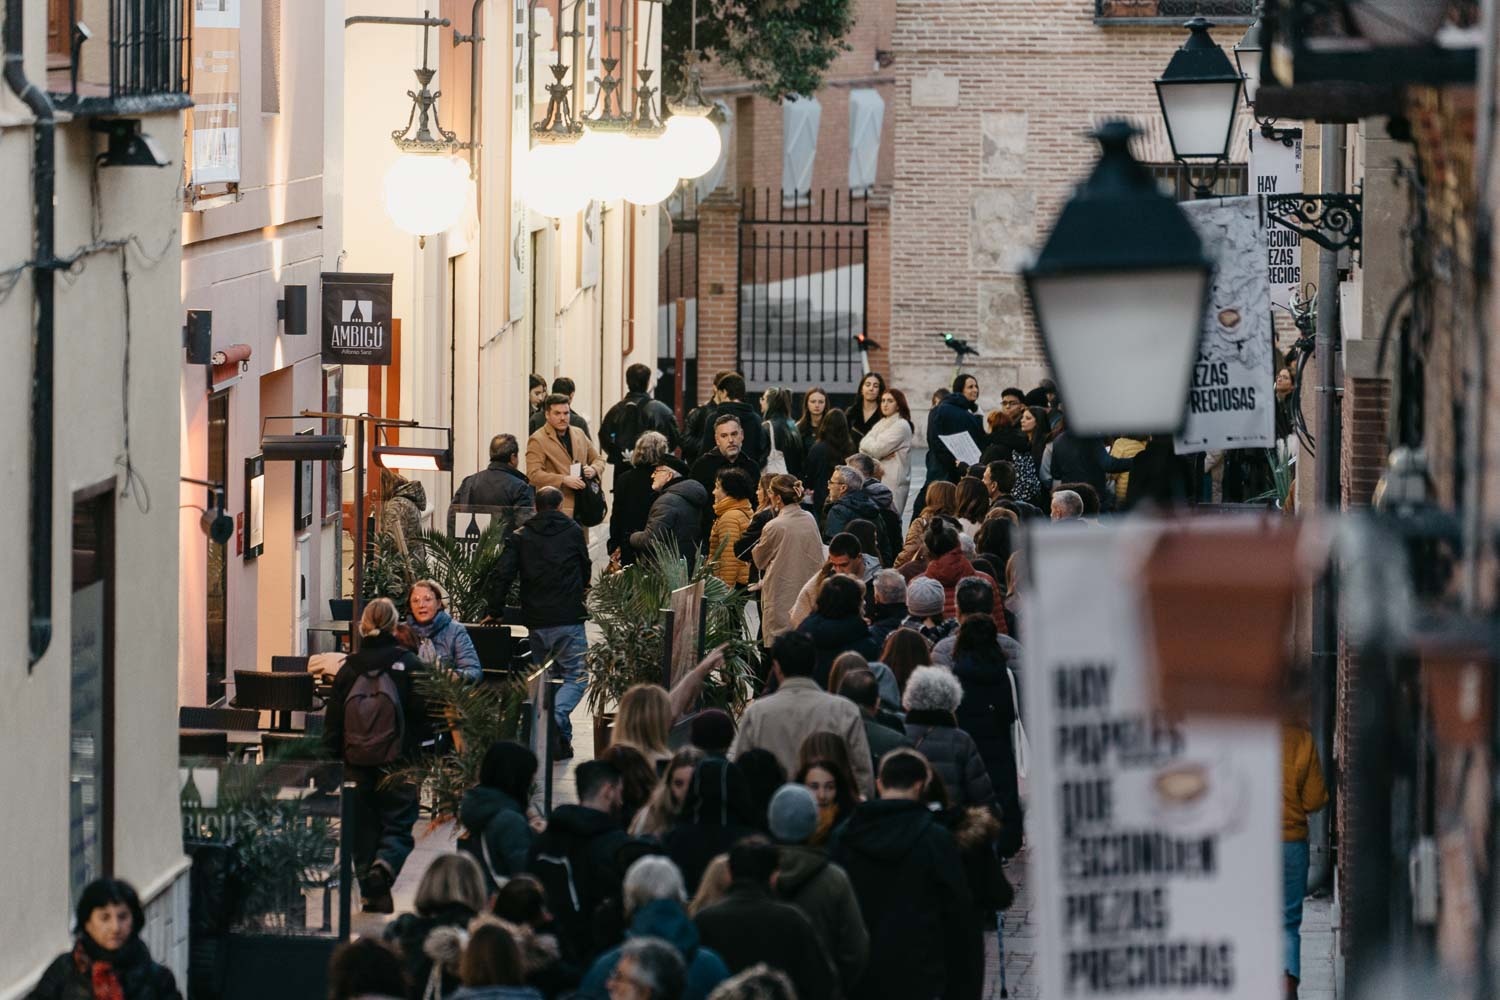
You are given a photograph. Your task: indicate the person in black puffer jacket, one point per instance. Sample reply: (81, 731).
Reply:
(634, 494)
(108, 952)
(958, 413)
(677, 513)
(731, 390)
(716, 812)
(932, 695)
(848, 501)
(986, 714)
(493, 812)
(836, 625)
(450, 894)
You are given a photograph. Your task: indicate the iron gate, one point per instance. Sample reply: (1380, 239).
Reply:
(802, 294)
(678, 278)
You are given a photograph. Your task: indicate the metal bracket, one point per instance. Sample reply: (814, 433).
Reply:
(1332, 221)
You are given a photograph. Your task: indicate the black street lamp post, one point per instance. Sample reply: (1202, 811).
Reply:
(1199, 92)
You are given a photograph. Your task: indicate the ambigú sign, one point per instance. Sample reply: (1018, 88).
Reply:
(357, 319)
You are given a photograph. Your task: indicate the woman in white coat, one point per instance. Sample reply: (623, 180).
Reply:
(789, 552)
(888, 441)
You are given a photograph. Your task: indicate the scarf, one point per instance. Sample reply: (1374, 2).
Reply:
(103, 966)
(827, 815)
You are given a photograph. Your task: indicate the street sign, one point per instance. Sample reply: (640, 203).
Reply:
(356, 318)
(1158, 840)
(1276, 168)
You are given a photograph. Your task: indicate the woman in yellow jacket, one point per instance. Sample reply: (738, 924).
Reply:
(1302, 792)
(732, 491)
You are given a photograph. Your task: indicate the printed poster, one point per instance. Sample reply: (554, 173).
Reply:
(1231, 403)
(214, 118)
(1161, 874)
(1276, 168)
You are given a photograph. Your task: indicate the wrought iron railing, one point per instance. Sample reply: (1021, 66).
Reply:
(1174, 11)
(146, 45)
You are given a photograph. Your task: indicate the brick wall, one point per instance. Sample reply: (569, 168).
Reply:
(718, 286)
(991, 121)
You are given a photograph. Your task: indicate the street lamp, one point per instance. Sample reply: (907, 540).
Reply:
(1199, 93)
(1247, 56)
(553, 177)
(1119, 291)
(692, 141)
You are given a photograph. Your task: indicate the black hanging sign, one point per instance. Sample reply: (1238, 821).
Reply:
(356, 318)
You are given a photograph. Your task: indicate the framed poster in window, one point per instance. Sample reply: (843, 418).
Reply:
(305, 477)
(333, 474)
(255, 506)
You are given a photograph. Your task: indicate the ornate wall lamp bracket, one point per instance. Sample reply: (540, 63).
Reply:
(1332, 221)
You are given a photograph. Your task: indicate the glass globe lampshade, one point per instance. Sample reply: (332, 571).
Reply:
(425, 193)
(649, 174)
(601, 154)
(553, 181)
(692, 144)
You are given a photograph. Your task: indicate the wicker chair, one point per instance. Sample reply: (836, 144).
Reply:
(277, 693)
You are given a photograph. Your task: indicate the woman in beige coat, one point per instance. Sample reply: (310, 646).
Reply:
(789, 552)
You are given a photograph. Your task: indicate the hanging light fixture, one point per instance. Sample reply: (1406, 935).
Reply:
(553, 179)
(1247, 55)
(1200, 94)
(426, 189)
(1119, 291)
(650, 176)
(623, 151)
(692, 143)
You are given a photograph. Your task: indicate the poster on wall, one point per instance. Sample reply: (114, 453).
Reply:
(356, 318)
(1276, 168)
(1231, 404)
(255, 506)
(1163, 873)
(214, 117)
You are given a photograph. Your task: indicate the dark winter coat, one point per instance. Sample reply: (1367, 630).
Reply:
(631, 506)
(749, 925)
(885, 619)
(755, 444)
(499, 485)
(909, 880)
(890, 518)
(954, 415)
(676, 516)
(409, 933)
(854, 505)
(378, 652)
(698, 419)
(858, 425)
(883, 738)
(500, 838)
(986, 714)
(788, 441)
(746, 542)
(953, 755)
(598, 851)
(706, 470)
(70, 976)
(551, 558)
(812, 883)
(833, 636)
(716, 812)
(667, 920)
(816, 471)
(628, 419)
(1084, 460)
(402, 512)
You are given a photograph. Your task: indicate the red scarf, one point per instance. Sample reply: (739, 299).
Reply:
(106, 985)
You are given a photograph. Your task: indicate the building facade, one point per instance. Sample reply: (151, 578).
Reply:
(88, 694)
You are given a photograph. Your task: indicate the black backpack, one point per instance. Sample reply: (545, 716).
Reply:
(619, 435)
(374, 722)
(571, 896)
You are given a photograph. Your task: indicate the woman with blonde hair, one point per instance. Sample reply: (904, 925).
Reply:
(713, 886)
(644, 721)
(384, 811)
(942, 498)
(665, 804)
(789, 552)
(450, 895)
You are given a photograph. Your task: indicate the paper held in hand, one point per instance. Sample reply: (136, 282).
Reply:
(962, 447)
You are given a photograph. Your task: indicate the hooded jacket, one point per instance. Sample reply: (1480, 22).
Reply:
(450, 644)
(667, 920)
(402, 512)
(833, 636)
(430, 945)
(909, 880)
(550, 557)
(812, 883)
(854, 505)
(949, 569)
(598, 851)
(378, 652)
(499, 485)
(676, 516)
(731, 520)
(631, 506)
(954, 415)
(496, 825)
(716, 811)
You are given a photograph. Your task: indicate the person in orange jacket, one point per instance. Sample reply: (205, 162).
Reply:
(1302, 792)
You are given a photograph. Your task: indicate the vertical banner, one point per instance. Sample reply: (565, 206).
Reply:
(520, 144)
(1276, 168)
(1160, 868)
(1231, 404)
(356, 318)
(214, 118)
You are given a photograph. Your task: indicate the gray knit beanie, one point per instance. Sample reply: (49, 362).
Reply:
(924, 598)
(793, 814)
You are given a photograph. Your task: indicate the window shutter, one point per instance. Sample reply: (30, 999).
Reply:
(866, 118)
(799, 146)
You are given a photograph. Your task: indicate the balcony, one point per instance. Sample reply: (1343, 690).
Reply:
(115, 57)
(1172, 12)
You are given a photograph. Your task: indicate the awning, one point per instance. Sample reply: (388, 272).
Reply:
(229, 360)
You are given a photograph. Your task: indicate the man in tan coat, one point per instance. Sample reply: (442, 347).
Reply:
(556, 447)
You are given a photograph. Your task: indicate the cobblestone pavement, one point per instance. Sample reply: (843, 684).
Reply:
(1021, 974)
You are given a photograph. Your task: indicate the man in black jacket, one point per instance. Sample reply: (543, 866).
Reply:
(633, 416)
(551, 558)
(729, 393)
(503, 484)
(750, 925)
(909, 878)
(728, 450)
(1085, 460)
(581, 857)
(676, 513)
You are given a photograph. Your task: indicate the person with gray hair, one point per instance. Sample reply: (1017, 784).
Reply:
(502, 484)
(759, 982)
(1066, 506)
(932, 698)
(890, 503)
(655, 903)
(649, 969)
(847, 501)
(888, 609)
(634, 492)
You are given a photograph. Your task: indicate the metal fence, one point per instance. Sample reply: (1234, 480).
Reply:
(148, 50)
(802, 294)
